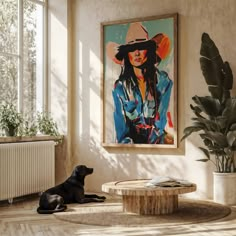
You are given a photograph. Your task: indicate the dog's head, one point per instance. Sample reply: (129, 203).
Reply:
(82, 171)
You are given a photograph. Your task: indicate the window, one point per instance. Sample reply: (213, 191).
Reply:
(22, 54)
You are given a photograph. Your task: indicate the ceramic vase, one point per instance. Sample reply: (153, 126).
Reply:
(224, 188)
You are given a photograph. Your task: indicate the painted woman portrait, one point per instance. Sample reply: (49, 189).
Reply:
(141, 92)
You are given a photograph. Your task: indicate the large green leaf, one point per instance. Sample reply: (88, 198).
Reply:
(209, 105)
(212, 147)
(233, 127)
(230, 111)
(231, 137)
(210, 125)
(189, 130)
(226, 96)
(197, 110)
(209, 72)
(209, 49)
(203, 160)
(222, 123)
(218, 138)
(213, 61)
(206, 141)
(199, 124)
(215, 72)
(228, 76)
(216, 91)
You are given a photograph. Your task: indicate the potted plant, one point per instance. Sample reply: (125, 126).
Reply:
(14, 124)
(10, 119)
(28, 128)
(46, 125)
(215, 121)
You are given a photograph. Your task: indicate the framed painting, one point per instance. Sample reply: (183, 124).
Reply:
(139, 82)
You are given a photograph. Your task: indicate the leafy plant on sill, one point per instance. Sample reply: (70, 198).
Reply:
(215, 115)
(47, 126)
(10, 119)
(28, 128)
(13, 123)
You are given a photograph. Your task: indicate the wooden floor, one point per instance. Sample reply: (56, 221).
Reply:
(21, 219)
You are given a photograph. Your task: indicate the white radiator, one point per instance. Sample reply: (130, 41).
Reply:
(26, 168)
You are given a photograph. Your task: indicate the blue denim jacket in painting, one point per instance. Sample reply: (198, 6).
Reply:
(138, 121)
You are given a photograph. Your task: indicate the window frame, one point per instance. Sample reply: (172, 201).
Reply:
(20, 58)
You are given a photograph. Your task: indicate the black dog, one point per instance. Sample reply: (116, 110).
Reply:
(71, 191)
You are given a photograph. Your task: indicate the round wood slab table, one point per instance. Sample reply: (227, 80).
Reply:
(140, 199)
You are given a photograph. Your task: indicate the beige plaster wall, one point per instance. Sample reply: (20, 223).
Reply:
(58, 70)
(215, 17)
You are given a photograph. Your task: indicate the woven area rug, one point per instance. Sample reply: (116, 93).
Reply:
(110, 213)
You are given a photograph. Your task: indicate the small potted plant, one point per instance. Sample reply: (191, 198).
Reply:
(215, 121)
(28, 128)
(47, 126)
(10, 119)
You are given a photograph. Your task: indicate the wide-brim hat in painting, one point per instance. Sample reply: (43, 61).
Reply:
(137, 37)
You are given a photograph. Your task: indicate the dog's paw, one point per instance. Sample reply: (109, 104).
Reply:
(102, 197)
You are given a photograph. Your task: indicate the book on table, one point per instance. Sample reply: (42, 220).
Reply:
(166, 181)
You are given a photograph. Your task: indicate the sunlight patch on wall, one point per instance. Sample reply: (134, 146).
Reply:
(94, 94)
(80, 57)
(58, 48)
(94, 111)
(80, 104)
(58, 69)
(94, 62)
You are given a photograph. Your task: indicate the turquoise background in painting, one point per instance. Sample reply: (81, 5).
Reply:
(117, 33)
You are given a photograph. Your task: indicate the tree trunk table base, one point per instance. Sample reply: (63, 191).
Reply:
(150, 205)
(142, 200)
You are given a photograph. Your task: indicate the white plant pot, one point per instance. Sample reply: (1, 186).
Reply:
(225, 188)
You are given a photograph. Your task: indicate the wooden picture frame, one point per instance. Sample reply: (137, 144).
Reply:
(140, 111)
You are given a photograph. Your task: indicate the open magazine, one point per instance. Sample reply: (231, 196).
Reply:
(166, 181)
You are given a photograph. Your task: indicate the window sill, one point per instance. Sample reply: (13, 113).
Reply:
(28, 139)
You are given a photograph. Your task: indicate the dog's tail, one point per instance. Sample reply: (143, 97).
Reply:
(46, 211)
